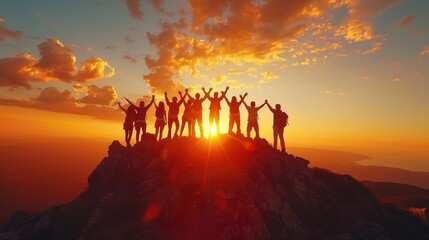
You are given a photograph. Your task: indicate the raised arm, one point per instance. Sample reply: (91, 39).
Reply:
(182, 98)
(130, 102)
(262, 105)
(166, 99)
(242, 99)
(151, 102)
(120, 106)
(224, 93)
(227, 101)
(189, 96)
(269, 106)
(206, 94)
(245, 104)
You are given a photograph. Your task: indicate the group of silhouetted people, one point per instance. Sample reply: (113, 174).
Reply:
(193, 114)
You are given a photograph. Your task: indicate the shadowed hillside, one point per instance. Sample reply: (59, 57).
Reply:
(223, 188)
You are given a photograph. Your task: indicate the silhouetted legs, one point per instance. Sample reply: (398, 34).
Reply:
(172, 120)
(214, 117)
(198, 119)
(159, 128)
(254, 125)
(185, 120)
(193, 128)
(234, 119)
(128, 128)
(128, 136)
(140, 126)
(278, 132)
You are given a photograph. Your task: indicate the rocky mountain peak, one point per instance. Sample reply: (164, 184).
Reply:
(227, 187)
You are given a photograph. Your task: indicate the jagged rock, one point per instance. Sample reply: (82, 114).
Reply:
(371, 231)
(10, 236)
(422, 213)
(43, 223)
(229, 187)
(15, 221)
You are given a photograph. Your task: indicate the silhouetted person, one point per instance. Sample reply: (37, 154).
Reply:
(187, 117)
(130, 117)
(215, 107)
(234, 112)
(160, 120)
(140, 123)
(279, 123)
(252, 120)
(197, 106)
(173, 112)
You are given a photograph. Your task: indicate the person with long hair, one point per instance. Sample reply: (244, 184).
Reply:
(187, 117)
(160, 120)
(234, 112)
(130, 117)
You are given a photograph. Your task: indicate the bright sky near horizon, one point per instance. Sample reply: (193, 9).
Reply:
(350, 73)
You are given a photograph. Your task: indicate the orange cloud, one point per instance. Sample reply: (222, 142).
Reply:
(56, 62)
(250, 33)
(110, 47)
(128, 39)
(102, 96)
(18, 71)
(425, 51)
(355, 30)
(268, 77)
(94, 104)
(94, 68)
(6, 33)
(81, 47)
(375, 47)
(158, 5)
(405, 21)
(132, 59)
(134, 9)
(369, 8)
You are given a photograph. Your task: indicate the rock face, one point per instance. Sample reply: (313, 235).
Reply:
(222, 188)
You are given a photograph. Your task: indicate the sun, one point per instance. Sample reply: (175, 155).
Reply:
(213, 131)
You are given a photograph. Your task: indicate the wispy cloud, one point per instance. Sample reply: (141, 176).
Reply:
(6, 33)
(374, 48)
(134, 8)
(425, 51)
(405, 21)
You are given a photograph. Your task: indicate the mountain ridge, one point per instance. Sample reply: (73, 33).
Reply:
(230, 187)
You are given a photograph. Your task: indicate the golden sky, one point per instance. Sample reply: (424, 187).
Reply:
(352, 74)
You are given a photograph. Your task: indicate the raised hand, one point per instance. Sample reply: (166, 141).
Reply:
(227, 88)
(186, 90)
(266, 101)
(153, 97)
(210, 88)
(180, 93)
(165, 93)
